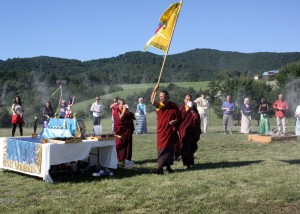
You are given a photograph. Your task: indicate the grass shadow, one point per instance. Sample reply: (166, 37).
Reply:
(148, 132)
(295, 161)
(86, 175)
(224, 164)
(121, 173)
(137, 170)
(146, 161)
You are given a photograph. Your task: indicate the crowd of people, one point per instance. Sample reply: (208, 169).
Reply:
(178, 128)
(280, 107)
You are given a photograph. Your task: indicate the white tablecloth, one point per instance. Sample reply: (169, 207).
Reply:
(53, 154)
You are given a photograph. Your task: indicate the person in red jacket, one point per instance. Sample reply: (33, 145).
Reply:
(281, 108)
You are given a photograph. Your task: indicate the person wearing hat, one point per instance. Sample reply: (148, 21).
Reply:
(202, 107)
(97, 110)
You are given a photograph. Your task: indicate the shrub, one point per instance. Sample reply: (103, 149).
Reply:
(5, 118)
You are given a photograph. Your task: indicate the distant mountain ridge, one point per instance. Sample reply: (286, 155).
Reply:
(136, 66)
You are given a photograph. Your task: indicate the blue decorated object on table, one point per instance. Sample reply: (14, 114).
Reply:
(60, 128)
(66, 123)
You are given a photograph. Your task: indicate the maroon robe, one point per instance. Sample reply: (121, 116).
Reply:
(125, 129)
(190, 131)
(167, 134)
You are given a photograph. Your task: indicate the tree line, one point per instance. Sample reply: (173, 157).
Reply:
(34, 79)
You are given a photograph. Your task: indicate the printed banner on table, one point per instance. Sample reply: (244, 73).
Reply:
(24, 154)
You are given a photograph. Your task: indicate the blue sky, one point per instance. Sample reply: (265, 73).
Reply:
(93, 29)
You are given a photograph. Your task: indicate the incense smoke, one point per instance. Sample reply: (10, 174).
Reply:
(3, 94)
(292, 94)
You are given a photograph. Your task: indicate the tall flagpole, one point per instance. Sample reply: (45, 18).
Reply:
(165, 57)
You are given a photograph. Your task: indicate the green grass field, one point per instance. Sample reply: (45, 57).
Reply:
(231, 175)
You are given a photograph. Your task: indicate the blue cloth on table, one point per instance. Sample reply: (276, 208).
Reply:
(56, 133)
(23, 150)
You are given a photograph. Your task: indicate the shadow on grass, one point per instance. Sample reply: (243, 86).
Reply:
(146, 161)
(85, 176)
(148, 132)
(295, 161)
(224, 164)
(121, 173)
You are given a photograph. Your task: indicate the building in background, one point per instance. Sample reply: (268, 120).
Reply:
(266, 75)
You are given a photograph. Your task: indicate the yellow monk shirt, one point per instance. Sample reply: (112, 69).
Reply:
(160, 106)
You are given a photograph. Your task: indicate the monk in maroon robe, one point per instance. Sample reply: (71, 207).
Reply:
(189, 130)
(124, 127)
(168, 118)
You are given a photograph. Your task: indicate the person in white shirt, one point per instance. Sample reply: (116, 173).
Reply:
(97, 109)
(297, 116)
(202, 107)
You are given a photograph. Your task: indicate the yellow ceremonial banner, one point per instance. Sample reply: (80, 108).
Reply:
(163, 36)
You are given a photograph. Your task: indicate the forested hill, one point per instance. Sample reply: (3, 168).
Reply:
(137, 67)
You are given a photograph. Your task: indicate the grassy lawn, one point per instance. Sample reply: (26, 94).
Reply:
(231, 175)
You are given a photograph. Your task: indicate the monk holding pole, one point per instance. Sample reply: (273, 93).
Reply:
(168, 116)
(168, 119)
